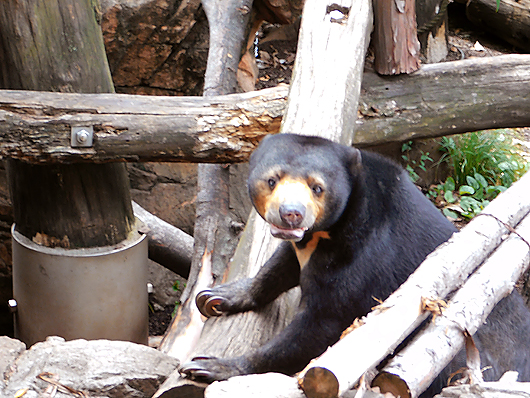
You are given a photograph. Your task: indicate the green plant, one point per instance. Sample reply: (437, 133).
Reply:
(412, 164)
(489, 153)
(468, 199)
(176, 287)
(484, 164)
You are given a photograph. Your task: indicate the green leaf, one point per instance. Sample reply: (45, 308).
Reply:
(449, 184)
(481, 180)
(450, 214)
(466, 190)
(474, 183)
(448, 196)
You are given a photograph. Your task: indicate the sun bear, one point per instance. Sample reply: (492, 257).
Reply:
(354, 227)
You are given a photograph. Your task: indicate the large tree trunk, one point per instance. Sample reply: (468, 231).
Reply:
(58, 46)
(89, 204)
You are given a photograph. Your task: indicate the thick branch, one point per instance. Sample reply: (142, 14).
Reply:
(439, 99)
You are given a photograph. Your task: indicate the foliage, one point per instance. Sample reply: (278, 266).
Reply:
(484, 164)
(412, 164)
(468, 199)
(489, 153)
(176, 287)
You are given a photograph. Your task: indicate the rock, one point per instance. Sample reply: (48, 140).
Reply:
(10, 350)
(101, 368)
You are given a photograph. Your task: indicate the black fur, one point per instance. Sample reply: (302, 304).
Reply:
(381, 227)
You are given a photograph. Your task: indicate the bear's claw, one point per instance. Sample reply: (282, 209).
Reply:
(209, 304)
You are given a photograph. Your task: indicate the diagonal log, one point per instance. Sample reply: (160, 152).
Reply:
(439, 343)
(320, 103)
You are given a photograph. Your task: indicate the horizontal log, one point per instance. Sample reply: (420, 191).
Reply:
(439, 99)
(36, 126)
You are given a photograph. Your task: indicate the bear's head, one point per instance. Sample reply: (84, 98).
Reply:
(300, 183)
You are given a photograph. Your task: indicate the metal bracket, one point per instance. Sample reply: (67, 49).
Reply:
(82, 137)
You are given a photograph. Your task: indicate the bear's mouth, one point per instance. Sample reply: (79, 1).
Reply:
(295, 234)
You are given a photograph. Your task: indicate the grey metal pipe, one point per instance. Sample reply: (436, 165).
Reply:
(93, 293)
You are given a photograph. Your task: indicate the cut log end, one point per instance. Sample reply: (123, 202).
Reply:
(388, 382)
(320, 383)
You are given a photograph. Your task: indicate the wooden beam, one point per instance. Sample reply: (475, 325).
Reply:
(439, 99)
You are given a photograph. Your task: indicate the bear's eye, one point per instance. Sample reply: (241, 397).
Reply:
(317, 189)
(272, 183)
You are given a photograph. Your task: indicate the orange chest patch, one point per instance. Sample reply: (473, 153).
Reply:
(305, 254)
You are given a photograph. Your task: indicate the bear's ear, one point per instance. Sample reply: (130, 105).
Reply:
(354, 159)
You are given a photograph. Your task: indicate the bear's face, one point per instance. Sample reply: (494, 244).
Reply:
(300, 183)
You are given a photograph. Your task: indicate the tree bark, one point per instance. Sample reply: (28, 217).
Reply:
(511, 21)
(491, 93)
(58, 46)
(395, 40)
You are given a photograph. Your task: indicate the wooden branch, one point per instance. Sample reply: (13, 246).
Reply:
(168, 245)
(442, 271)
(228, 22)
(438, 99)
(436, 346)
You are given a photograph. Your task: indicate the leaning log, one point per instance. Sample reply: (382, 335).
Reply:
(439, 99)
(436, 346)
(441, 272)
(237, 334)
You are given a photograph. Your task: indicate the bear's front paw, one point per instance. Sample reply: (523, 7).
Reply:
(208, 303)
(209, 369)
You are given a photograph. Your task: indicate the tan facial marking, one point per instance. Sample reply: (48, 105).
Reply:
(287, 189)
(305, 254)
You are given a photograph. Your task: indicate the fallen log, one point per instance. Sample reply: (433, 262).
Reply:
(168, 245)
(437, 345)
(442, 271)
(510, 20)
(439, 99)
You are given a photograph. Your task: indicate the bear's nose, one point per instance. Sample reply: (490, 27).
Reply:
(292, 214)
